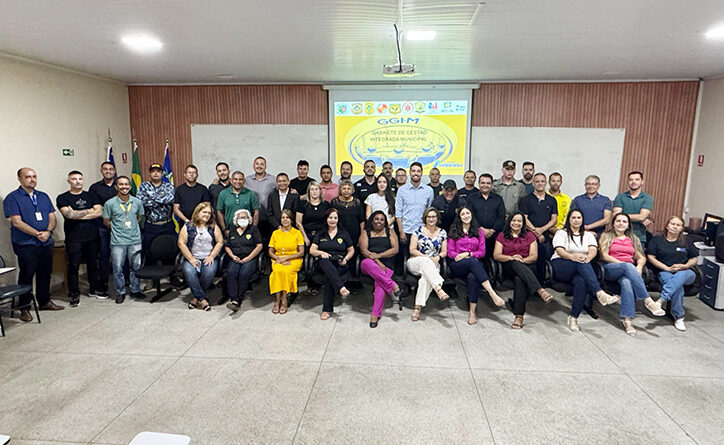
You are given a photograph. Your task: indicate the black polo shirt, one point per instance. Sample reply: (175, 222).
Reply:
(215, 190)
(490, 212)
(242, 245)
(362, 190)
(538, 211)
(336, 245)
(463, 193)
(669, 252)
(447, 209)
(189, 197)
(312, 215)
(78, 230)
(300, 185)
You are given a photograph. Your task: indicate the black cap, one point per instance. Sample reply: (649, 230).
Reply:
(509, 164)
(449, 184)
(155, 166)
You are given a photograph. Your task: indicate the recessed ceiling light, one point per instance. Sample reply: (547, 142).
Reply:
(715, 33)
(142, 43)
(420, 35)
(225, 76)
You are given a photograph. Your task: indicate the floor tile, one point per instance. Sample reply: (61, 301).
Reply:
(354, 404)
(220, 401)
(12, 361)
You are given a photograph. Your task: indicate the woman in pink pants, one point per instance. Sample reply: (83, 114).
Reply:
(378, 245)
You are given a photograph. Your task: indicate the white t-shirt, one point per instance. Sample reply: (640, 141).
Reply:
(378, 202)
(561, 239)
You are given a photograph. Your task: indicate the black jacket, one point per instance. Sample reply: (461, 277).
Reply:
(274, 209)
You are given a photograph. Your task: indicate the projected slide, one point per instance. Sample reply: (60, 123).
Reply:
(432, 132)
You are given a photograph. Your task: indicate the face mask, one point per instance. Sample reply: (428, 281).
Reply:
(243, 223)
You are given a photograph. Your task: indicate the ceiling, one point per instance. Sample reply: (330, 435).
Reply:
(275, 41)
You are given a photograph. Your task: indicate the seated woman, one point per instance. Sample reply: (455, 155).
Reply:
(286, 250)
(575, 247)
(674, 256)
(383, 199)
(465, 249)
(243, 244)
(624, 260)
(333, 248)
(310, 215)
(200, 241)
(516, 248)
(379, 246)
(351, 211)
(428, 246)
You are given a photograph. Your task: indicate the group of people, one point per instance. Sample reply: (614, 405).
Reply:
(395, 225)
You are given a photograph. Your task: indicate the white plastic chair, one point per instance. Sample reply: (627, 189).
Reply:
(147, 438)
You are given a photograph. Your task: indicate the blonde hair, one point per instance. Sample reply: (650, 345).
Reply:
(680, 237)
(609, 235)
(309, 187)
(196, 216)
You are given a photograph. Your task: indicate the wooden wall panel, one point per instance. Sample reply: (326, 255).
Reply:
(658, 118)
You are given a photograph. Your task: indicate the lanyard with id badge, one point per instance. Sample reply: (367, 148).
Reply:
(125, 210)
(38, 214)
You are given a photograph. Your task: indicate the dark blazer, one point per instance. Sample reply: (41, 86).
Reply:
(274, 209)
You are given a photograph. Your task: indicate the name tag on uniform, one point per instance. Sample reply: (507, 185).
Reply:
(681, 249)
(128, 224)
(38, 216)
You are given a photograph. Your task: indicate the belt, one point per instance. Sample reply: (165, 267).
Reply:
(158, 223)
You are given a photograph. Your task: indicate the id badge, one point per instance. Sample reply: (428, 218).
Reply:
(128, 224)
(38, 216)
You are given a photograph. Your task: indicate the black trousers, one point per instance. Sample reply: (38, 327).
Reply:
(333, 272)
(401, 254)
(78, 252)
(34, 262)
(104, 258)
(471, 270)
(525, 283)
(545, 251)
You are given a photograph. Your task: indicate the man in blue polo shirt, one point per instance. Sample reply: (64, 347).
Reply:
(637, 204)
(596, 208)
(32, 218)
(410, 203)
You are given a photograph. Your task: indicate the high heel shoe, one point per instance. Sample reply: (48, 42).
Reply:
(628, 326)
(606, 299)
(573, 324)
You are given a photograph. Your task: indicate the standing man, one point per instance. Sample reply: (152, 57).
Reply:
(555, 180)
(469, 187)
(541, 211)
(301, 182)
(32, 219)
(157, 199)
(234, 198)
(262, 183)
(222, 174)
(189, 194)
(367, 185)
(330, 190)
(345, 171)
(596, 208)
(80, 210)
(387, 171)
(102, 191)
(510, 189)
(411, 201)
(637, 204)
(447, 204)
(279, 199)
(121, 215)
(528, 171)
(434, 183)
(400, 178)
(489, 211)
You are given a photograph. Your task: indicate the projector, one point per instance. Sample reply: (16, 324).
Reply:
(398, 70)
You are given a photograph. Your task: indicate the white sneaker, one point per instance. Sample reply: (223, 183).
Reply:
(679, 324)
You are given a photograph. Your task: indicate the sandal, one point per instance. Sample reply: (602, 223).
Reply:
(628, 327)
(443, 296)
(655, 308)
(545, 296)
(193, 304)
(517, 323)
(325, 316)
(312, 292)
(283, 309)
(205, 306)
(415, 314)
(275, 309)
(344, 294)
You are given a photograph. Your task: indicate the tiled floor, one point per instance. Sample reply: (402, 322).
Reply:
(101, 373)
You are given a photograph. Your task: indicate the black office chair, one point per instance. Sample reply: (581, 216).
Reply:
(164, 249)
(9, 293)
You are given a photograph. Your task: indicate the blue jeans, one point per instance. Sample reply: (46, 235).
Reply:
(581, 276)
(237, 278)
(673, 290)
(632, 286)
(119, 255)
(199, 281)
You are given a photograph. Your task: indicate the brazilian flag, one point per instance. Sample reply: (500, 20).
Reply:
(136, 172)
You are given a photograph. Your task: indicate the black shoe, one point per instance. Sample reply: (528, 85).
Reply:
(99, 294)
(589, 310)
(138, 295)
(74, 301)
(233, 305)
(120, 298)
(373, 324)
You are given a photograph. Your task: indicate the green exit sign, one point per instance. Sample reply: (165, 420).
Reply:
(68, 152)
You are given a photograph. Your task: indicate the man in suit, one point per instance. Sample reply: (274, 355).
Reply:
(279, 199)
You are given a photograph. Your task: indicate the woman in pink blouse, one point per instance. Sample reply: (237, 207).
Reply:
(516, 248)
(624, 260)
(465, 248)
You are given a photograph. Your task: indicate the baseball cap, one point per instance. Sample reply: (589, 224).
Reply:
(449, 184)
(154, 166)
(509, 164)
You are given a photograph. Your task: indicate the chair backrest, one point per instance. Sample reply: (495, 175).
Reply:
(164, 248)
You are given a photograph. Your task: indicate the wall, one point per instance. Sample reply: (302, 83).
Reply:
(658, 118)
(42, 110)
(706, 193)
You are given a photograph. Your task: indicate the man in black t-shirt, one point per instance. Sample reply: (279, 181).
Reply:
(541, 212)
(189, 194)
(301, 182)
(80, 209)
(102, 191)
(367, 185)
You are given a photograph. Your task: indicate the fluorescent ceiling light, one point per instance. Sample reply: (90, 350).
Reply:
(142, 43)
(715, 33)
(420, 35)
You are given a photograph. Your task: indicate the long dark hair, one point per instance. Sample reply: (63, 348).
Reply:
(508, 233)
(326, 217)
(389, 197)
(456, 228)
(569, 230)
(368, 223)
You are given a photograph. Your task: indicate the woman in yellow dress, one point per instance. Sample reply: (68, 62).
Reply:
(286, 249)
